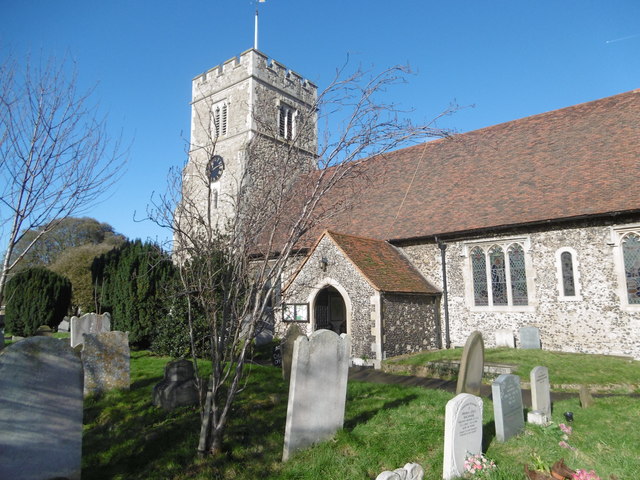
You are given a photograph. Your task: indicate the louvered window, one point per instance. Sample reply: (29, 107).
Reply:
(286, 119)
(219, 119)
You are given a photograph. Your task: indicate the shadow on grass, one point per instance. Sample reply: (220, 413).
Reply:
(488, 434)
(364, 417)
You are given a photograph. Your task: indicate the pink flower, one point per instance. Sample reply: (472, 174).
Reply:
(566, 429)
(564, 444)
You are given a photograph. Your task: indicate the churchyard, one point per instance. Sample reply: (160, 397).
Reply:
(384, 428)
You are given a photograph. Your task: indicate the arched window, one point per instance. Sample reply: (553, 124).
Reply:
(498, 276)
(567, 274)
(479, 268)
(518, 275)
(286, 118)
(219, 117)
(631, 256)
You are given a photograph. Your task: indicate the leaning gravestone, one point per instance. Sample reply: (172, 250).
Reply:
(88, 323)
(40, 410)
(64, 325)
(178, 388)
(105, 358)
(530, 338)
(471, 365)
(317, 391)
(540, 396)
(286, 349)
(462, 433)
(507, 406)
(504, 338)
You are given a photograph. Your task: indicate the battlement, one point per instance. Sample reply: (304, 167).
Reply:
(252, 61)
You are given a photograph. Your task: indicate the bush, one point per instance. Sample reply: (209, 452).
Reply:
(35, 297)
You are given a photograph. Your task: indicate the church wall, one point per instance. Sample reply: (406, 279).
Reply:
(341, 274)
(408, 323)
(594, 322)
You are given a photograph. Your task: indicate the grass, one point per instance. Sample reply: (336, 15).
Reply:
(386, 426)
(602, 372)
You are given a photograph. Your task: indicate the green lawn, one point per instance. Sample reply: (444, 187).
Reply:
(386, 426)
(602, 372)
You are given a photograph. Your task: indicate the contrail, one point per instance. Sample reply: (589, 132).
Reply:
(623, 38)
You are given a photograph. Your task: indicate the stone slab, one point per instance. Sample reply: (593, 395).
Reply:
(471, 365)
(541, 391)
(317, 390)
(105, 359)
(505, 338)
(508, 411)
(40, 410)
(530, 338)
(462, 433)
(88, 323)
(286, 348)
(178, 388)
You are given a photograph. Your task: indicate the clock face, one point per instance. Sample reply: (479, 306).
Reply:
(215, 168)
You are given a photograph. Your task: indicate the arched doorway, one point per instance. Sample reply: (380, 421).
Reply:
(330, 311)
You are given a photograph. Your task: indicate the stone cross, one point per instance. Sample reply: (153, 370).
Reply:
(508, 412)
(462, 433)
(317, 390)
(471, 365)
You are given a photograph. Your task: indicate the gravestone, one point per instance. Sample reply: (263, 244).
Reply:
(411, 471)
(105, 358)
(586, 399)
(504, 338)
(44, 331)
(462, 433)
(508, 411)
(540, 395)
(40, 410)
(178, 388)
(471, 365)
(286, 349)
(530, 338)
(64, 325)
(88, 323)
(317, 390)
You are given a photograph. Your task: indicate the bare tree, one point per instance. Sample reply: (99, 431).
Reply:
(232, 270)
(56, 158)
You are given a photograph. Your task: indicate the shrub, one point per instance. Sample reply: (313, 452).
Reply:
(36, 296)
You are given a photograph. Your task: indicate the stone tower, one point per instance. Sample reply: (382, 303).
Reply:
(246, 101)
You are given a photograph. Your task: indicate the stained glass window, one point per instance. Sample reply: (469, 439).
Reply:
(479, 268)
(568, 282)
(518, 275)
(498, 276)
(631, 255)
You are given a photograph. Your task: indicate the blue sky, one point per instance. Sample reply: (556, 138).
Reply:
(509, 59)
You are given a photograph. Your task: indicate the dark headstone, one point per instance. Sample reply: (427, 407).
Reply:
(178, 388)
(286, 349)
(508, 411)
(471, 365)
(530, 338)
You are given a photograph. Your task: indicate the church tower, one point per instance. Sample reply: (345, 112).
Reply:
(247, 100)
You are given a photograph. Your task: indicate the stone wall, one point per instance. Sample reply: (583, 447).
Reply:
(594, 322)
(409, 323)
(356, 292)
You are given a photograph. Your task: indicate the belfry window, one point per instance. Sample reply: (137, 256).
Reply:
(499, 275)
(286, 118)
(219, 117)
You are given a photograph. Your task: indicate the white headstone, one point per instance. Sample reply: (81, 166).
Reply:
(505, 338)
(40, 410)
(530, 338)
(540, 391)
(88, 323)
(508, 411)
(105, 359)
(411, 471)
(317, 390)
(462, 433)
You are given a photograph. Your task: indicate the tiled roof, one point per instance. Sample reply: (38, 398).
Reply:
(579, 161)
(383, 266)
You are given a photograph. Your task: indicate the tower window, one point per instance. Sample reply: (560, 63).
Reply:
(219, 117)
(286, 116)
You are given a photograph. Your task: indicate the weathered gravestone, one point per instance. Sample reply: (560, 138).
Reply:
(411, 471)
(317, 391)
(178, 388)
(64, 325)
(504, 338)
(586, 399)
(462, 433)
(508, 411)
(44, 331)
(88, 323)
(471, 365)
(530, 338)
(105, 358)
(286, 349)
(40, 410)
(540, 396)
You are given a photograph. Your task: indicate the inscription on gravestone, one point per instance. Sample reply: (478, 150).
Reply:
(462, 433)
(507, 406)
(471, 365)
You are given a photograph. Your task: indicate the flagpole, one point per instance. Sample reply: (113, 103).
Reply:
(255, 35)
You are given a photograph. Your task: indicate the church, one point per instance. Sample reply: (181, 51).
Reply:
(530, 223)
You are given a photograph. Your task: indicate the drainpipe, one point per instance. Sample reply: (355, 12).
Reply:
(443, 247)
